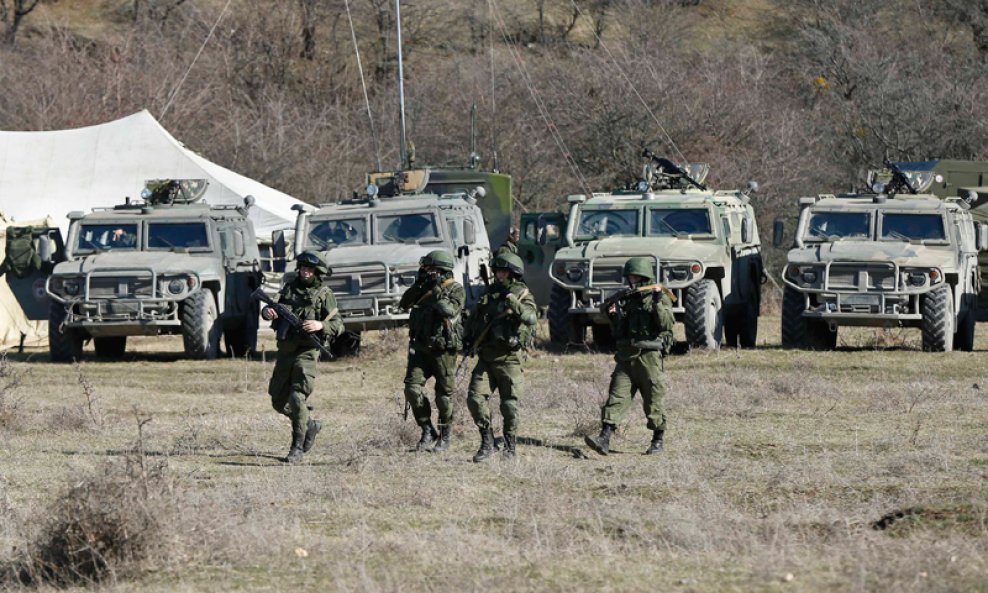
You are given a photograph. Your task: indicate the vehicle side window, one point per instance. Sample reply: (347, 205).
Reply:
(530, 231)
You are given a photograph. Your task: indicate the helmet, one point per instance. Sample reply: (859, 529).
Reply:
(314, 260)
(438, 259)
(639, 266)
(509, 261)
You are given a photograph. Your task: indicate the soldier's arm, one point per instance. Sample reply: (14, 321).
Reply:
(449, 301)
(332, 321)
(527, 310)
(663, 312)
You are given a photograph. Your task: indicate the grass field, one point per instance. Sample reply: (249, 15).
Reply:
(857, 470)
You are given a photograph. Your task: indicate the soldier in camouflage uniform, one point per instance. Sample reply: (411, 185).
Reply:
(641, 323)
(510, 244)
(435, 335)
(295, 369)
(501, 328)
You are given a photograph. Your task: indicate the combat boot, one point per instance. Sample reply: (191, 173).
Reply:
(602, 442)
(656, 445)
(295, 453)
(509, 447)
(429, 436)
(486, 445)
(312, 429)
(445, 433)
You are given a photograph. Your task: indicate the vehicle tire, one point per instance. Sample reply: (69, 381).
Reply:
(938, 320)
(200, 326)
(799, 332)
(966, 322)
(564, 328)
(64, 345)
(603, 339)
(111, 347)
(241, 340)
(704, 318)
(346, 344)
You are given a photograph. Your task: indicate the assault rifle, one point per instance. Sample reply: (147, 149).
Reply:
(622, 294)
(285, 315)
(899, 179)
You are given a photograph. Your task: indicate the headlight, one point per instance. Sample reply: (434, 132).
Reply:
(176, 286)
(574, 274)
(71, 287)
(809, 277)
(570, 270)
(916, 278)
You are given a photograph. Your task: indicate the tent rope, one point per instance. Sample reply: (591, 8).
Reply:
(174, 92)
(363, 85)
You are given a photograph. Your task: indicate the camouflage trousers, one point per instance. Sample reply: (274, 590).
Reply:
(423, 365)
(506, 376)
(641, 373)
(291, 384)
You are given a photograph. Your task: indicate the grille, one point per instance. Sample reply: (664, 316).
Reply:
(874, 278)
(607, 275)
(119, 287)
(357, 281)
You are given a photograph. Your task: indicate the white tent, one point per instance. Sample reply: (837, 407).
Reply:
(53, 173)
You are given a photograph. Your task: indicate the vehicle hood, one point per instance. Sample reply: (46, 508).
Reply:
(400, 255)
(665, 248)
(158, 261)
(899, 252)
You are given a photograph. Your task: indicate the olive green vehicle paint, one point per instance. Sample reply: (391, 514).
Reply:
(898, 255)
(168, 265)
(703, 243)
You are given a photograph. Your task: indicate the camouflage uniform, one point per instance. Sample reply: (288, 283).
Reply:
(642, 325)
(501, 327)
(295, 368)
(435, 336)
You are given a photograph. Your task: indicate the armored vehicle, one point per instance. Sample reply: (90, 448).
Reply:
(373, 243)
(168, 265)
(896, 256)
(704, 244)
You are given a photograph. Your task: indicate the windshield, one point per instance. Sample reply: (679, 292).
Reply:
(608, 223)
(913, 227)
(407, 228)
(829, 226)
(184, 235)
(330, 233)
(689, 221)
(103, 237)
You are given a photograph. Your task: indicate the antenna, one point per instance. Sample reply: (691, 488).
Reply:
(474, 157)
(402, 149)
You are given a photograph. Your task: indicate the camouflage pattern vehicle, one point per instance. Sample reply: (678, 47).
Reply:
(168, 265)
(373, 243)
(896, 256)
(704, 244)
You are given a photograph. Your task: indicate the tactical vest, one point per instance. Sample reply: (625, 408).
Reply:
(428, 328)
(636, 324)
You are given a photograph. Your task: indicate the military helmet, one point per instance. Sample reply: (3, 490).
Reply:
(509, 261)
(438, 259)
(313, 259)
(639, 266)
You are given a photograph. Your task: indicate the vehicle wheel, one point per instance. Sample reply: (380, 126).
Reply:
(346, 344)
(964, 336)
(799, 332)
(938, 320)
(241, 340)
(64, 345)
(200, 327)
(564, 328)
(113, 347)
(603, 339)
(704, 317)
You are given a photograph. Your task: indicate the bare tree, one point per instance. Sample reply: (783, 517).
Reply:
(12, 13)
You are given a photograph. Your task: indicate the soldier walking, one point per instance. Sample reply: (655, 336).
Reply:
(435, 335)
(641, 323)
(501, 328)
(295, 369)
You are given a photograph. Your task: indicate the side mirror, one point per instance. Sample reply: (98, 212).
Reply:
(44, 248)
(279, 246)
(982, 237)
(238, 243)
(746, 230)
(778, 230)
(469, 233)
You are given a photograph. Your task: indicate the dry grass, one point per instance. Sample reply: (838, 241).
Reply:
(856, 470)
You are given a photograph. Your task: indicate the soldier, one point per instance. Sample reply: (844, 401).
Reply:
(295, 369)
(510, 244)
(502, 326)
(641, 323)
(435, 336)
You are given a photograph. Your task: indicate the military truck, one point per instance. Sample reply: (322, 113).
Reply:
(168, 265)
(704, 243)
(373, 242)
(894, 256)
